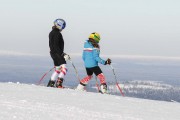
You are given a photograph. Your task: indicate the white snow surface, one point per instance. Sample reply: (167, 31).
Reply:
(31, 102)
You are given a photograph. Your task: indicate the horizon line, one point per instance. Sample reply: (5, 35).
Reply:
(14, 53)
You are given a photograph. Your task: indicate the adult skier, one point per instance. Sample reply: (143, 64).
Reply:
(56, 45)
(91, 59)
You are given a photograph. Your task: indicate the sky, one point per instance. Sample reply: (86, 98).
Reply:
(127, 27)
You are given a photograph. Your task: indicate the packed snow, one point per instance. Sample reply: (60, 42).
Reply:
(32, 102)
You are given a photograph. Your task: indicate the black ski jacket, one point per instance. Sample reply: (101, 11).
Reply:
(56, 42)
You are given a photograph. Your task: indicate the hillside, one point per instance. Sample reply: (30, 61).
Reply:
(31, 102)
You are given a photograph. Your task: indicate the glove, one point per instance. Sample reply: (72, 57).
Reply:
(66, 56)
(108, 61)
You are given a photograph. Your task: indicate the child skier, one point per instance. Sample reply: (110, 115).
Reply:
(91, 59)
(56, 45)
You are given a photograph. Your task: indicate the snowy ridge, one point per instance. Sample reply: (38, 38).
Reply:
(31, 102)
(148, 90)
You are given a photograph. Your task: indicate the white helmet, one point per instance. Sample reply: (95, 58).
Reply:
(60, 24)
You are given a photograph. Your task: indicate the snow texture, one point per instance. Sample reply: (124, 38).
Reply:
(31, 102)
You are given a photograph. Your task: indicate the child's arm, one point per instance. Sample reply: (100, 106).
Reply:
(96, 53)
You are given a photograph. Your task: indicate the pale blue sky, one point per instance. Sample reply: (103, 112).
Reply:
(127, 27)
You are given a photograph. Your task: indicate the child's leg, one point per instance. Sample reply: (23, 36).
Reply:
(54, 76)
(85, 80)
(101, 77)
(58, 61)
(62, 73)
(55, 73)
(98, 72)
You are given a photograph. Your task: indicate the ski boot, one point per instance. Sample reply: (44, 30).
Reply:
(81, 86)
(103, 88)
(51, 83)
(59, 83)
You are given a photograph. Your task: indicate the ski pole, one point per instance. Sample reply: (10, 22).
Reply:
(117, 84)
(75, 70)
(39, 82)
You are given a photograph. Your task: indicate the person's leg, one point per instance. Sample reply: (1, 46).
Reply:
(54, 76)
(98, 72)
(85, 80)
(58, 60)
(62, 73)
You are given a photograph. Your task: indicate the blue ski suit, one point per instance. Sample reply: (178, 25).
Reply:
(91, 55)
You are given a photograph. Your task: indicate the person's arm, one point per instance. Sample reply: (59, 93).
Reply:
(96, 53)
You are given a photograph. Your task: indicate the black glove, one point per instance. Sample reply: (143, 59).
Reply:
(108, 61)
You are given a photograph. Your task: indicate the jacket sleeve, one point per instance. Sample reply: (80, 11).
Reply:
(96, 53)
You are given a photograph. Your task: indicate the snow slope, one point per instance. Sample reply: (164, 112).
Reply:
(31, 102)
